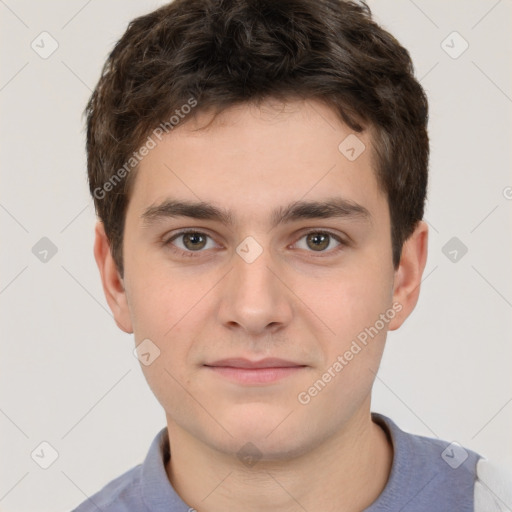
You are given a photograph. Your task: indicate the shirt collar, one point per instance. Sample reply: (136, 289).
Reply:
(159, 495)
(157, 492)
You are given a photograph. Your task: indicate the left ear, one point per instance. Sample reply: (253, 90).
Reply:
(407, 280)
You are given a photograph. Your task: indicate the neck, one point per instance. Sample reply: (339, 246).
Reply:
(345, 473)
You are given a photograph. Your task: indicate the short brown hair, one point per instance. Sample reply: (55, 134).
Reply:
(218, 53)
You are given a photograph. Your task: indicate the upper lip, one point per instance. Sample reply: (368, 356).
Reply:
(270, 362)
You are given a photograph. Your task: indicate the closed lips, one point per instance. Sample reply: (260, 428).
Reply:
(254, 365)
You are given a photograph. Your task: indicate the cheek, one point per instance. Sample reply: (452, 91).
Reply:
(165, 308)
(352, 308)
(151, 307)
(158, 294)
(355, 306)
(353, 299)
(159, 315)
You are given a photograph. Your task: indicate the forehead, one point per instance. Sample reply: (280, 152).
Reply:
(253, 160)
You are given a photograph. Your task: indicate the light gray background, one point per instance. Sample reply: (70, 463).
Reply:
(68, 375)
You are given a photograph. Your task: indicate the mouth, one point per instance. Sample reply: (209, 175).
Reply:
(264, 371)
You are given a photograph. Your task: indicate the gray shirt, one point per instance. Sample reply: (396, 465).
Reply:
(426, 475)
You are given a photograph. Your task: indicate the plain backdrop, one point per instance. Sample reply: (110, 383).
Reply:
(68, 374)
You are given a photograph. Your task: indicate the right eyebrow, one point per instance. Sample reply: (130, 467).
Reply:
(195, 210)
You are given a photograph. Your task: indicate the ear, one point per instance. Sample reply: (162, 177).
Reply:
(113, 285)
(407, 280)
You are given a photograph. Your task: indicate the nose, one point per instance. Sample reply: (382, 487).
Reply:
(255, 297)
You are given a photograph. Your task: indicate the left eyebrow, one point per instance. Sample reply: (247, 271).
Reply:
(330, 208)
(333, 207)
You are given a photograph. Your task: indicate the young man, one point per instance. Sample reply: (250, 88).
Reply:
(259, 170)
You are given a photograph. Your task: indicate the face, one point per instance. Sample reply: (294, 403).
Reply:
(269, 305)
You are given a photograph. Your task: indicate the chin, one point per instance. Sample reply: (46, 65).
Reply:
(243, 445)
(272, 434)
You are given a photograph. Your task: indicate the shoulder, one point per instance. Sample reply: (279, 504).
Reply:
(427, 473)
(120, 495)
(493, 487)
(421, 451)
(142, 488)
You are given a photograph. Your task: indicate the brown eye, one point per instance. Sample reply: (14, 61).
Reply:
(189, 243)
(194, 241)
(318, 241)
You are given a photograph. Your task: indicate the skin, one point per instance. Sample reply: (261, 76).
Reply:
(295, 301)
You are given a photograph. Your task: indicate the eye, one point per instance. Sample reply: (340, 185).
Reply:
(319, 241)
(191, 242)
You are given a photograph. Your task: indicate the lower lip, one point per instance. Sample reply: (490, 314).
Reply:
(255, 375)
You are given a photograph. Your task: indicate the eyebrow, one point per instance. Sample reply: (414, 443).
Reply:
(329, 208)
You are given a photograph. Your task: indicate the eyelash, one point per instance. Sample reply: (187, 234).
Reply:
(192, 254)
